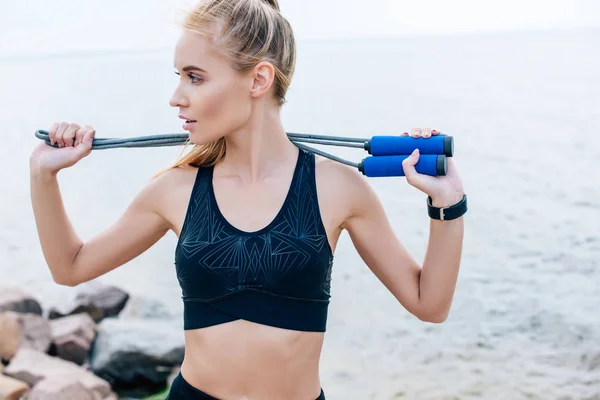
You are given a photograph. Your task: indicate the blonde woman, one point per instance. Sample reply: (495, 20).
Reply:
(257, 218)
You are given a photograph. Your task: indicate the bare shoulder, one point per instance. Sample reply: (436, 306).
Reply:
(169, 193)
(336, 172)
(339, 187)
(175, 177)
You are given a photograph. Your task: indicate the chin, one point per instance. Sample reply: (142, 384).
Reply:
(194, 139)
(199, 139)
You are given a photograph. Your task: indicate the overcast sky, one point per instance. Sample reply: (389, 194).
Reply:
(41, 26)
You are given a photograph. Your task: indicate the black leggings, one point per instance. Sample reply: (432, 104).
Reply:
(182, 390)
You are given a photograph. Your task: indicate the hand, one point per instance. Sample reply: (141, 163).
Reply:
(74, 143)
(444, 190)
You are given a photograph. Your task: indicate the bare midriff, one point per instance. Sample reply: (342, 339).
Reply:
(244, 360)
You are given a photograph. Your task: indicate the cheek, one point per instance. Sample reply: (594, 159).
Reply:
(224, 108)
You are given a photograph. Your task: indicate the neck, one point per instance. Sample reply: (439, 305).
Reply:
(259, 149)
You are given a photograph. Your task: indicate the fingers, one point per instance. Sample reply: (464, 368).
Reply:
(52, 132)
(66, 134)
(80, 134)
(408, 165)
(421, 132)
(69, 136)
(85, 146)
(56, 136)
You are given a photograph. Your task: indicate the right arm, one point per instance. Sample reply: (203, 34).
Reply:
(71, 261)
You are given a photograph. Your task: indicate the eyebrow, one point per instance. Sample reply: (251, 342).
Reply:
(193, 68)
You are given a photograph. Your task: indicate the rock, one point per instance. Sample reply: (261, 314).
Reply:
(37, 332)
(95, 312)
(31, 367)
(136, 353)
(25, 330)
(73, 336)
(98, 300)
(15, 299)
(60, 387)
(146, 308)
(11, 335)
(12, 389)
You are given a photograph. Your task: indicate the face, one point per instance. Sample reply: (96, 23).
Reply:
(210, 91)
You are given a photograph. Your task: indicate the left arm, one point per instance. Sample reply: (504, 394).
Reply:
(440, 268)
(425, 291)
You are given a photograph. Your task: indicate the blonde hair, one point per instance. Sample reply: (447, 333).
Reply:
(248, 32)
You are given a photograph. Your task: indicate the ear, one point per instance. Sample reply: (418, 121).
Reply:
(263, 77)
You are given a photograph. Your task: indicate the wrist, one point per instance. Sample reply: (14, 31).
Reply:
(447, 208)
(446, 200)
(41, 173)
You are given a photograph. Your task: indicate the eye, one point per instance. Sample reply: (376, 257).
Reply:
(194, 78)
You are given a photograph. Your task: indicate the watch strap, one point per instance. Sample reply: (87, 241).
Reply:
(447, 213)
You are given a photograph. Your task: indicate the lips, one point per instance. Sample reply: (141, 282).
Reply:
(188, 125)
(181, 116)
(188, 122)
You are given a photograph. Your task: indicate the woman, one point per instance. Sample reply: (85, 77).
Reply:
(256, 243)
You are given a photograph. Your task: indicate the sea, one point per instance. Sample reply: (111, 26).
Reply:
(524, 110)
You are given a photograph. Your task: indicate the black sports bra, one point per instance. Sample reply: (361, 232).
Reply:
(279, 275)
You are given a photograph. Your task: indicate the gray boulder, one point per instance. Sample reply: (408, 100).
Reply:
(17, 300)
(134, 354)
(32, 367)
(72, 337)
(96, 299)
(60, 387)
(141, 307)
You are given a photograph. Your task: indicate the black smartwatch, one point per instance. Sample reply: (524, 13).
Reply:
(447, 213)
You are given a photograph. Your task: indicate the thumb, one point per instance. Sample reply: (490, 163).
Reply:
(85, 147)
(408, 165)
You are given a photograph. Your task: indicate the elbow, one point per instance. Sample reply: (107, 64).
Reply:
(67, 276)
(434, 318)
(65, 281)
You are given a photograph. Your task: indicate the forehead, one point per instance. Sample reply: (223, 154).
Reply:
(195, 48)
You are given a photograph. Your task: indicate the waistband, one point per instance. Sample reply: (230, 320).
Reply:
(182, 390)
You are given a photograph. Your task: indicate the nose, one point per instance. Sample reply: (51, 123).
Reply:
(178, 99)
